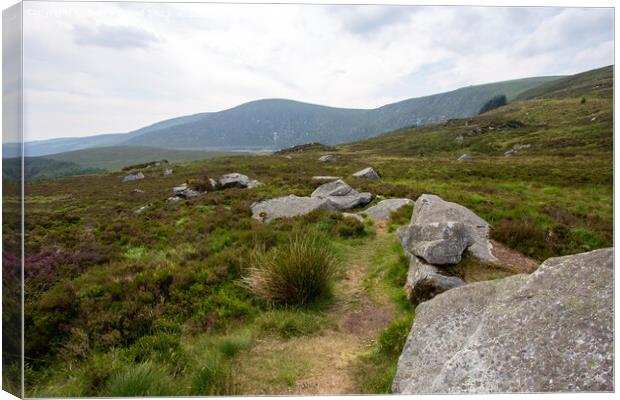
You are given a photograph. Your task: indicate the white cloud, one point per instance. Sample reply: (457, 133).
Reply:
(112, 67)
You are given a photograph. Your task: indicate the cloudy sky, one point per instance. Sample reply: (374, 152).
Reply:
(94, 68)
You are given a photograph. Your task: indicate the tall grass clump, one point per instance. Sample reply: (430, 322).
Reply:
(298, 273)
(144, 379)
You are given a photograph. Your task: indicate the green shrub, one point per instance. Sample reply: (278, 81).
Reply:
(212, 376)
(349, 227)
(161, 348)
(230, 345)
(144, 379)
(298, 273)
(393, 338)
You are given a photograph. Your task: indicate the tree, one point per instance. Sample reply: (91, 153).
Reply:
(493, 103)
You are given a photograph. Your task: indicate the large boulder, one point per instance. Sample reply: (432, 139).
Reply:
(437, 243)
(425, 281)
(133, 177)
(285, 207)
(551, 331)
(340, 196)
(382, 210)
(366, 173)
(433, 220)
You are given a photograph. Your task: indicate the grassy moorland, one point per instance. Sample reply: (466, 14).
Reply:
(120, 303)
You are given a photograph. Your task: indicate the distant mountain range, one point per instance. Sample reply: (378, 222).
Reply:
(280, 123)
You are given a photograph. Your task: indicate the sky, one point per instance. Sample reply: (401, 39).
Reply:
(92, 68)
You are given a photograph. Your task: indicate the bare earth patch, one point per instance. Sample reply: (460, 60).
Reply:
(513, 259)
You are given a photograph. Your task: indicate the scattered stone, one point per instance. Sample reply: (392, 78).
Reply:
(424, 281)
(515, 148)
(325, 178)
(382, 210)
(144, 208)
(133, 177)
(137, 191)
(234, 180)
(465, 157)
(174, 199)
(327, 158)
(459, 138)
(168, 172)
(285, 207)
(551, 331)
(509, 153)
(185, 191)
(366, 173)
(253, 183)
(354, 216)
(593, 119)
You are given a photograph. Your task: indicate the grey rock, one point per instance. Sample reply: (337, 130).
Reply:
(459, 138)
(327, 158)
(551, 331)
(133, 177)
(174, 199)
(335, 188)
(437, 243)
(285, 207)
(185, 191)
(465, 157)
(381, 211)
(351, 200)
(235, 179)
(137, 191)
(509, 153)
(340, 196)
(168, 172)
(425, 281)
(432, 209)
(325, 178)
(366, 173)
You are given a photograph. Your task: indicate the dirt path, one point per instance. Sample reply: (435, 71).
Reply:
(329, 359)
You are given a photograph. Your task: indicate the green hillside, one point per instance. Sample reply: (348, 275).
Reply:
(43, 168)
(120, 302)
(599, 83)
(114, 158)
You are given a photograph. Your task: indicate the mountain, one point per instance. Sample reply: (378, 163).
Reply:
(598, 82)
(280, 123)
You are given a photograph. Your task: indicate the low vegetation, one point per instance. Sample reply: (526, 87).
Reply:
(198, 298)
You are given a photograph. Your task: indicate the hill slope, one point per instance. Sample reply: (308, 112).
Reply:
(279, 123)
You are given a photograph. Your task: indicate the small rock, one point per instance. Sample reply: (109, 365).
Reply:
(465, 157)
(174, 199)
(168, 172)
(366, 173)
(327, 158)
(137, 191)
(459, 138)
(133, 177)
(185, 191)
(325, 178)
(144, 208)
(593, 119)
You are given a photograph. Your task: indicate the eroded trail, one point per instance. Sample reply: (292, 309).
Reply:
(324, 364)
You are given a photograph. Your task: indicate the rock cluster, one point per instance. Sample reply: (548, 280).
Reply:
(333, 196)
(551, 331)
(438, 235)
(133, 177)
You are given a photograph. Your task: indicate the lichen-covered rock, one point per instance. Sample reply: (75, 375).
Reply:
(382, 210)
(437, 243)
(285, 207)
(366, 173)
(551, 331)
(235, 179)
(133, 177)
(431, 209)
(335, 188)
(425, 281)
(340, 196)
